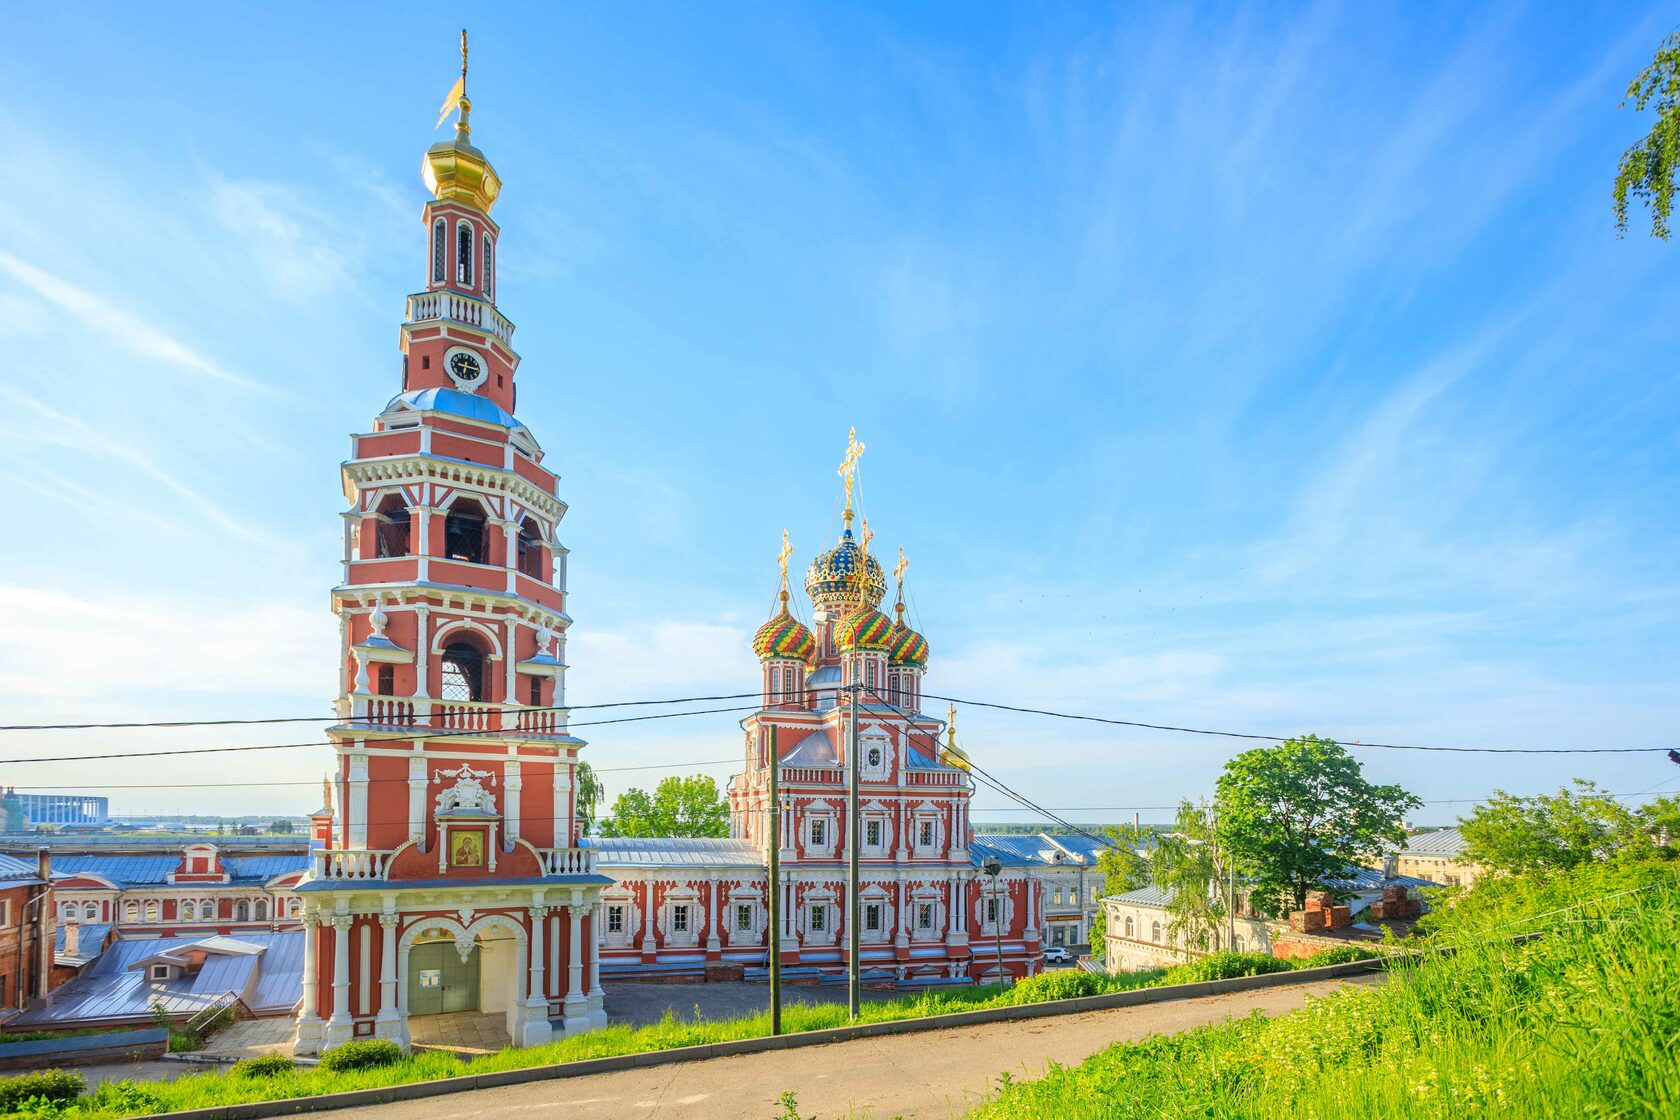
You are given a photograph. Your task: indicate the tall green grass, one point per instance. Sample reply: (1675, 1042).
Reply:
(1583, 1021)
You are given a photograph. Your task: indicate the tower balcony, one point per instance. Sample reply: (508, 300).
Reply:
(477, 313)
(350, 866)
(369, 712)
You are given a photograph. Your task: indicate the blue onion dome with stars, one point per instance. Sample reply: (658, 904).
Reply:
(833, 577)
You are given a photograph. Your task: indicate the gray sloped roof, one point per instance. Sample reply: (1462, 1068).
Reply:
(816, 749)
(14, 871)
(1146, 896)
(674, 851)
(1445, 842)
(152, 870)
(1040, 849)
(112, 988)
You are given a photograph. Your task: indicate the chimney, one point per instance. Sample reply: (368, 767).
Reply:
(43, 864)
(1391, 865)
(72, 937)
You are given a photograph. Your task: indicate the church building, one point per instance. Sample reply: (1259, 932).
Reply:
(452, 875)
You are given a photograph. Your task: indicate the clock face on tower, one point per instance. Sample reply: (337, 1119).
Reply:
(466, 367)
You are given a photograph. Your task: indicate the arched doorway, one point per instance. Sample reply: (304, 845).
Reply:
(439, 981)
(471, 1001)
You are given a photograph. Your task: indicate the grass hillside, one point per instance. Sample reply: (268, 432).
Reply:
(1583, 1021)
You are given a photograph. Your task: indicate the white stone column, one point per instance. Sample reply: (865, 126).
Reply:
(539, 975)
(596, 1000)
(648, 944)
(510, 657)
(356, 810)
(712, 913)
(563, 778)
(576, 1004)
(308, 1038)
(339, 1025)
(417, 795)
(389, 1022)
(902, 938)
(513, 782)
(422, 547)
(422, 635)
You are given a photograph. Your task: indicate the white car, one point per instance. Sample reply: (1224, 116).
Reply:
(1057, 955)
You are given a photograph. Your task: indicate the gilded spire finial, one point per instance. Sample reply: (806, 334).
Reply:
(848, 470)
(899, 569)
(862, 575)
(782, 563)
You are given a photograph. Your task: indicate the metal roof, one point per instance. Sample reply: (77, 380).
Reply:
(1354, 880)
(1447, 842)
(16, 870)
(455, 402)
(1041, 849)
(270, 982)
(1146, 896)
(674, 851)
(149, 869)
(816, 749)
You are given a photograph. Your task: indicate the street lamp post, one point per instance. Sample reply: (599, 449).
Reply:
(993, 867)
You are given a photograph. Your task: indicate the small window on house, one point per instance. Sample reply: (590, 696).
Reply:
(991, 910)
(242, 911)
(131, 911)
(872, 917)
(1128, 927)
(744, 918)
(463, 532)
(872, 833)
(874, 758)
(5, 911)
(489, 270)
(90, 912)
(260, 911)
(440, 251)
(385, 680)
(818, 832)
(462, 671)
(615, 919)
(293, 907)
(924, 915)
(819, 919)
(1154, 931)
(393, 523)
(533, 691)
(188, 911)
(926, 833)
(464, 253)
(679, 918)
(160, 972)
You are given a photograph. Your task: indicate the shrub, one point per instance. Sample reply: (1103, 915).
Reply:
(266, 1065)
(125, 1098)
(366, 1053)
(1341, 954)
(1068, 983)
(1226, 966)
(58, 1086)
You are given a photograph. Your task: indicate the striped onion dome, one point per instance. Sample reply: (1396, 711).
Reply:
(784, 637)
(833, 577)
(907, 647)
(866, 629)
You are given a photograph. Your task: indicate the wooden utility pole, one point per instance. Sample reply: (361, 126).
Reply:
(854, 942)
(775, 890)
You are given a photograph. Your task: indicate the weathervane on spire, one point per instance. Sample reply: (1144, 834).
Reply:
(456, 98)
(848, 469)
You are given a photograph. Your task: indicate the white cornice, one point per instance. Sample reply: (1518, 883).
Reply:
(364, 473)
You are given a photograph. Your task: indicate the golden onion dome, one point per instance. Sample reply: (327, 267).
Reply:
(833, 578)
(864, 630)
(455, 171)
(784, 637)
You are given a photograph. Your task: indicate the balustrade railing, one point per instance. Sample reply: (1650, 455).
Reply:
(568, 861)
(346, 865)
(462, 309)
(450, 715)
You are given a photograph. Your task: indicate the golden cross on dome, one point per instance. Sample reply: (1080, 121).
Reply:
(900, 568)
(861, 575)
(456, 98)
(848, 468)
(782, 559)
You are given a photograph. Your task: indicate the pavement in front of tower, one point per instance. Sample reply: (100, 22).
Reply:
(932, 1074)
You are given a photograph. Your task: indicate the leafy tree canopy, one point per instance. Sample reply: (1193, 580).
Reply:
(677, 807)
(1124, 868)
(1556, 832)
(1191, 865)
(1295, 814)
(1649, 168)
(588, 797)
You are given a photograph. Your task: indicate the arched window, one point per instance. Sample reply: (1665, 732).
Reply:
(90, 912)
(440, 251)
(1129, 928)
(463, 532)
(393, 522)
(260, 912)
(462, 671)
(489, 270)
(131, 911)
(1154, 931)
(464, 253)
(530, 549)
(152, 910)
(293, 905)
(242, 911)
(189, 910)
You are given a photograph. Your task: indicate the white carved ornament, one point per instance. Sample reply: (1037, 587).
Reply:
(467, 792)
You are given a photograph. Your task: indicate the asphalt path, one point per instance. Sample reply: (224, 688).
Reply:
(929, 1075)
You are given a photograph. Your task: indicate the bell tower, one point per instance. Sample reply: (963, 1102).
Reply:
(454, 847)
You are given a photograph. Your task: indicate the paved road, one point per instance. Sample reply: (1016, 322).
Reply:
(930, 1075)
(642, 1005)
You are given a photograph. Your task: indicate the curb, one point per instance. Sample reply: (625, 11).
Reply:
(417, 1090)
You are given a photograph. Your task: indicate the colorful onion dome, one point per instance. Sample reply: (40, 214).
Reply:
(907, 647)
(784, 637)
(833, 577)
(867, 629)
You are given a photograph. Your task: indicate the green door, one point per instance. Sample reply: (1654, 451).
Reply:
(439, 980)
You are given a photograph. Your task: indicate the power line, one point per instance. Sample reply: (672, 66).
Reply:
(408, 737)
(1285, 738)
(317, 781)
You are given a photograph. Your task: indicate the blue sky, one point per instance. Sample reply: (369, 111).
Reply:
(1268, 368)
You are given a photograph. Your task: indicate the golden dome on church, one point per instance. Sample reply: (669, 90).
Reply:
(455, 171)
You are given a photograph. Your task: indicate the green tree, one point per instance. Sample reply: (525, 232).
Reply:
(589, 794)
(1649, 168)
(280, 827)
(1124, 868)
(1192, 867)
(1294, 814)
(1555, 832)
(678, 807)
